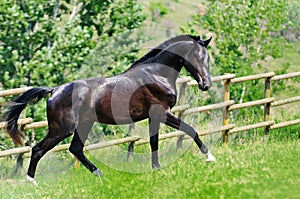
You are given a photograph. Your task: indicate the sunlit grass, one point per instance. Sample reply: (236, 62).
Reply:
(254, 170)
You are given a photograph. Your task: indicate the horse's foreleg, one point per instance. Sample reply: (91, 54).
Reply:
(176, 123)
(153, 131)
(77, 144)
(157, 115)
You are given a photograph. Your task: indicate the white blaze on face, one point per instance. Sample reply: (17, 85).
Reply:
(204, 62)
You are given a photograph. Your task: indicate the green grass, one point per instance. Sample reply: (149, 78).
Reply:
(268, 169)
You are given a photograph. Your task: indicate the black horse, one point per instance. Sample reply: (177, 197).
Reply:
(146, 90)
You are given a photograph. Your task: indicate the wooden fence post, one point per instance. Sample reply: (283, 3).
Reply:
(76, 163)
(267, 105)
(226, 109)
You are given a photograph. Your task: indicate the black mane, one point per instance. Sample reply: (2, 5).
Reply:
(166, 44)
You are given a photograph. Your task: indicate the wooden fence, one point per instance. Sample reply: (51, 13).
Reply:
(184, 109)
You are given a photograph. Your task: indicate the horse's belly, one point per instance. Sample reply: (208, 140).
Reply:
(120, 107)
(120, 118)
(121, 112)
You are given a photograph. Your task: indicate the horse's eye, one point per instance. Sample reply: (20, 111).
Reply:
(201, 55)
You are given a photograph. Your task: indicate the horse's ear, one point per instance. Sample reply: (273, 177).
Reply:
(206, 42)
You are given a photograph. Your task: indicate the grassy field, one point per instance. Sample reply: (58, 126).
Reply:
(247, 169)
(268, 169)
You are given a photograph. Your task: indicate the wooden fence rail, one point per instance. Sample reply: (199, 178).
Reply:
(184, 109)
(15, 91)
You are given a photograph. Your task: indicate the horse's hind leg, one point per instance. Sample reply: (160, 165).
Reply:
(77, 144)
(38, 151)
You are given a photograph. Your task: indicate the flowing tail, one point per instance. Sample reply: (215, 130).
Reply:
(14, 110)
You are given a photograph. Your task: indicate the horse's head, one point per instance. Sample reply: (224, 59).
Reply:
(183, 50)
(196, 61)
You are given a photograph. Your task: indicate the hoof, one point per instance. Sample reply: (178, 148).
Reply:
(97, 173)
(31, 180)
(156, 166)
(210, 157)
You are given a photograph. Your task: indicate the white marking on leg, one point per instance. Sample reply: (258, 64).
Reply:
(31, 180)
(98, 173)
(210, 157)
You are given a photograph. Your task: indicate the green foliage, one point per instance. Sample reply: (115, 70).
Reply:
(36, 50)
(246, 32)
(114, 55)
(46, 43)
(292, 32)
(157, 10)
(125, 15)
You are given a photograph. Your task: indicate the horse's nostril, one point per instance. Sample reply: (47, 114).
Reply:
(206, 84)
(205, 87)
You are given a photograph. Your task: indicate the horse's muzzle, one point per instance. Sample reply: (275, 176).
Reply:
(204, 84)
(204, 87)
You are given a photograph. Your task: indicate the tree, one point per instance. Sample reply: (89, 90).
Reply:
(46, 42)
(292, 32)
(246, 32)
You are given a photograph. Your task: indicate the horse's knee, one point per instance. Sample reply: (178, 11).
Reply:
(36, 152)
(75, 150)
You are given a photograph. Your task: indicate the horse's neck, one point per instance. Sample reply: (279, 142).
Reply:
(174, 55)
(167, 63)
(169, 60)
